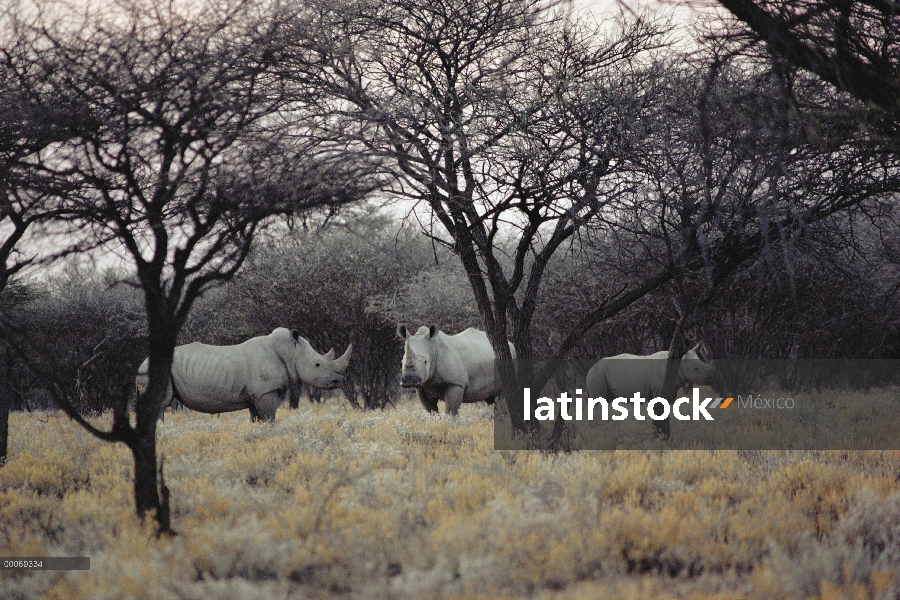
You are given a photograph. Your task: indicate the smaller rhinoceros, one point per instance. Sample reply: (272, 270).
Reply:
(256, 374)
(454, 368)
(625, 374)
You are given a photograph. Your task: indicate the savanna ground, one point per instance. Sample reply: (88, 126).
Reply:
(402, 504)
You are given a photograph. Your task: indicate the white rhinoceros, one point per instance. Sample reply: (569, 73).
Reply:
(454, 368)
(625, 374)
(255, 374)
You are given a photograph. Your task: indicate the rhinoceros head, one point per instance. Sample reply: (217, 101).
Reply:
(418, 355)
(697, 370)
(322, 371)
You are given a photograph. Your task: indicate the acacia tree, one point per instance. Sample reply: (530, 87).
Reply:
(26, 197)
(853, 45)
(174, 135)
(503, 118)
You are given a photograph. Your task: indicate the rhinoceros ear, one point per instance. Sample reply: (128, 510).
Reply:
(432, 331)
(701, 351)
(402, 332)
(295, 335)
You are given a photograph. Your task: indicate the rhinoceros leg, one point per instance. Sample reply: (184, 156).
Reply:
(427, 400)
(254, 414)
(453, 396)
(267, 404)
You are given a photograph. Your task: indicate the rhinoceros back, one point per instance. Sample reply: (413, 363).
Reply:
(476, 356)
(214, 378)
(624, 374)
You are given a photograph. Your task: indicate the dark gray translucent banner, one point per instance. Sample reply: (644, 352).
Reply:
(722, 405)
(45, 563)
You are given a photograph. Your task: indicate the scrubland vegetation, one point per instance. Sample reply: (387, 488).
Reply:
(577, 187)
(333, 501)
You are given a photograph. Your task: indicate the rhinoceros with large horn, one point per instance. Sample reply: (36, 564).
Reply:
(256, 374)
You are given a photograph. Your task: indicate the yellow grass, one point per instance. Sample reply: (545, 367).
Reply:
(403, 504)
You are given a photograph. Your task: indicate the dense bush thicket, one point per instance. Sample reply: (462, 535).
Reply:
(438, 295)
(81, 335)
(819, 301)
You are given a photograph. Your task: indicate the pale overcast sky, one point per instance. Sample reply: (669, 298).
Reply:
(601, 8)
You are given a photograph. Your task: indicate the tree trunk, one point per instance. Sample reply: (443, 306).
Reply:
(495, 328)
(514, 376)
(146, 492)
(4, 417)
(147, 407)
(677, 348)
(559, 438)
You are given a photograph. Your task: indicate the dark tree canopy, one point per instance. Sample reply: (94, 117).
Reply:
(854, 45)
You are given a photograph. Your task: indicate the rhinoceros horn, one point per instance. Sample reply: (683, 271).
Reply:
(330, 354)
(344, 360)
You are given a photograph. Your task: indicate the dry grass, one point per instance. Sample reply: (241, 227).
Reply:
(403, 504)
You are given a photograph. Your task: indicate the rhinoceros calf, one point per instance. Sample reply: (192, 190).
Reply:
(454, 368)
(625, 374)
(256, 374)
